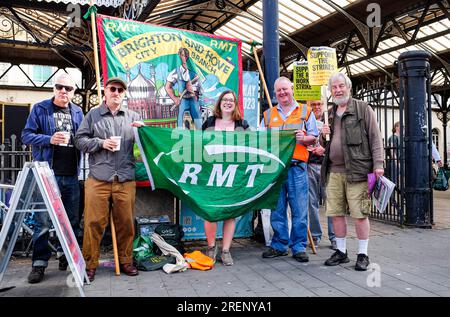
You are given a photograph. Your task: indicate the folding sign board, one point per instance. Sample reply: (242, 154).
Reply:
(36, 190)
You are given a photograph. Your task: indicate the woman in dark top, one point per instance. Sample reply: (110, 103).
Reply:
(226, 117)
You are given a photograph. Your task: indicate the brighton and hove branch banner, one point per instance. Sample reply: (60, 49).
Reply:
(173, 75)
(220, 175)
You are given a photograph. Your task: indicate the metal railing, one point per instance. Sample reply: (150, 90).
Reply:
(383, 97)
(13, 156)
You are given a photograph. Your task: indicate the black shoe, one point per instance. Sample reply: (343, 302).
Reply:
(301, 257)
(272, 253)
(337, 258)
(63, 264)
(362, 262)
(36, 275)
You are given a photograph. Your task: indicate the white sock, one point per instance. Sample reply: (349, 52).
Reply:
(341, 244)
(363, 246)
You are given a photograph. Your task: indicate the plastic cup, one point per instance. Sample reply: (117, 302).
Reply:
(66, 138)
(117, 139)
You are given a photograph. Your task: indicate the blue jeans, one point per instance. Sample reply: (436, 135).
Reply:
(294, 191)
(191, 105)
(70, 196)
(316, 189)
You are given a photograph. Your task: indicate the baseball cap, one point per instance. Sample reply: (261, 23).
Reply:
(116, 80)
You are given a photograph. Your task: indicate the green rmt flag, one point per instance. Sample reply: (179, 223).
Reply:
(220, 175)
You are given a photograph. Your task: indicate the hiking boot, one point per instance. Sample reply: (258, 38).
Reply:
(333, 245)
(36, 275)
(272, 253)
(212, 252)
(337, 258)
(362, 262)
(63, 264)
(301, 257)
(226, 258)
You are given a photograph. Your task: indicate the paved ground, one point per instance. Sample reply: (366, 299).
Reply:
(408, 262)
(411, 262)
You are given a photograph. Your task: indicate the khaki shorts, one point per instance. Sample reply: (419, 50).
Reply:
(345, 198)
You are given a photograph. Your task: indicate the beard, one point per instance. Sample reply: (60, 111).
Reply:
(341, 100)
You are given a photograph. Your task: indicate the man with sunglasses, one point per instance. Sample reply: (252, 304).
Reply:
(107, 135)
(50, 129)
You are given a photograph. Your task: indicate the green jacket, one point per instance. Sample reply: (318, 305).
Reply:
(361, 140)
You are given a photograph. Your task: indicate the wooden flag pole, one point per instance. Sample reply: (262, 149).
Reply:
(311, 242)
(261, 75)
(99, 94)
(114, 243)
(94, 48)
(323, 94)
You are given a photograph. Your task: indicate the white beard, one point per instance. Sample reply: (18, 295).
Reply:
(341, 100)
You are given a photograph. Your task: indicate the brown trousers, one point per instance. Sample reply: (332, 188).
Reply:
(96, 218)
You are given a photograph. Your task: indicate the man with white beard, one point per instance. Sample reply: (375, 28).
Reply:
(355, 149)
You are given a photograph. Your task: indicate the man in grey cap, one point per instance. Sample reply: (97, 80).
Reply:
(106, 133)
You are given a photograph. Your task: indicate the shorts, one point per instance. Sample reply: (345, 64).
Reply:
(344, 198)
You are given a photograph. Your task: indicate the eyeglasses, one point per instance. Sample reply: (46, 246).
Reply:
(67, 88)
(113, 89)
(227, 100)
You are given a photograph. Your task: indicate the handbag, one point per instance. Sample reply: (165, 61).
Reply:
(441, 181)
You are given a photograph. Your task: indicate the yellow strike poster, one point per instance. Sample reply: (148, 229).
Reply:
(302, 89)
(322, 63)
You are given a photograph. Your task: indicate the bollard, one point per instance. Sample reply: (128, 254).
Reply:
(414, 69)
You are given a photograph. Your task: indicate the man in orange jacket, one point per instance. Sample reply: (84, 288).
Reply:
(288, 114)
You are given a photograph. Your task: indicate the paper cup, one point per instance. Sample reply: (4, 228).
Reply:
(117, 139)
(66, 138)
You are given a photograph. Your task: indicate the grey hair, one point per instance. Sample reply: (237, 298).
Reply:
(336, 76)
(280, 79)
(65, 76)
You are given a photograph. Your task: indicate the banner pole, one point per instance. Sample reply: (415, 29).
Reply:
(261, 75)
(114, 243)
(324, 98)
(99, 94)
(94, 47)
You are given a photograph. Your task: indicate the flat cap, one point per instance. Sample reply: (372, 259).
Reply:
(116, 80)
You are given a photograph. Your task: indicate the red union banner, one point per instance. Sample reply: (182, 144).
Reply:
(170, 72)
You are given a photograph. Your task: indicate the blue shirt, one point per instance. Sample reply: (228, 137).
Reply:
(310, 124)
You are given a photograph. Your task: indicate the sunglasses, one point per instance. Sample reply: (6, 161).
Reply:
(113, 89)
(67, 88)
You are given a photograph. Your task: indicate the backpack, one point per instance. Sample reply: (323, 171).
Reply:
(172, 234)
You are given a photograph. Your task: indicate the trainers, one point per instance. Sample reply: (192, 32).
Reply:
(63, 264)
(272, 253)
(212, 252)
(226, 258)
(337, 258)
(36, 275)
(301, 257)
(333, 245)
(362, 262)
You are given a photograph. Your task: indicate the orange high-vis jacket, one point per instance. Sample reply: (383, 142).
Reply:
(295, 121)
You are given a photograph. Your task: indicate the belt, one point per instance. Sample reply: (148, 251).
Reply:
(115, 178)
(296, 163)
